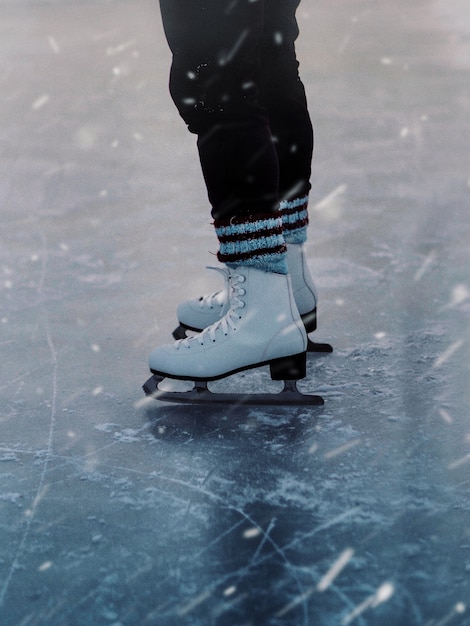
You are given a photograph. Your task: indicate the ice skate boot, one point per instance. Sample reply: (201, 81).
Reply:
(262, 326)
(198, 313)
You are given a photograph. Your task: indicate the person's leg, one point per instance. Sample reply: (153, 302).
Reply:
(214, 83)
(282, 96)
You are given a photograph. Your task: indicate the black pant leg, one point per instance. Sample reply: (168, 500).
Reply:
(214, 83)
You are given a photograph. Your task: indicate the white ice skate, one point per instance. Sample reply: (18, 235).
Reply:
(198, 313)
(262, 326)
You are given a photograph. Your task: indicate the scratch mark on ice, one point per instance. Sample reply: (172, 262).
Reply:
(21, 377)
(219, 538)
(323, 584)
(265, 538)
(202, 597)
(42, 488)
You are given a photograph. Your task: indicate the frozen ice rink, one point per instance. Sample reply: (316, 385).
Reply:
(116, 511)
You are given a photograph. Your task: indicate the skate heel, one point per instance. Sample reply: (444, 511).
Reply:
(292, 367)
(310, 320)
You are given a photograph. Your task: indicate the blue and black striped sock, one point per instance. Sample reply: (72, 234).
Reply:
(295, 219)
(255, 240)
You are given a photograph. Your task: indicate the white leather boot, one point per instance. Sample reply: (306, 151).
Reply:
(262, 326)
(198, 313)
(303, 287)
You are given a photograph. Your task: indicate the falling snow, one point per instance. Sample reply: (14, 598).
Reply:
(117, 510)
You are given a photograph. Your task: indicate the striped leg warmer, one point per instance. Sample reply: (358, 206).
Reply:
(255, 240)
(295, 219)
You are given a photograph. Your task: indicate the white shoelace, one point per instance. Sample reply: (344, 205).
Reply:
(228, 320)
(207, 302)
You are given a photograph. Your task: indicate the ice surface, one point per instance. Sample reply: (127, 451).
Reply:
(114, 511)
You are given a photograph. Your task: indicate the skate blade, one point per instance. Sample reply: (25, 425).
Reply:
(201, 394)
